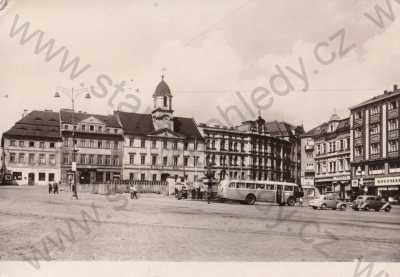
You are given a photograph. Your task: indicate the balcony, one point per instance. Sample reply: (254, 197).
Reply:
(358, 141)
(309, 147)
(358, 122)
(375, 156)
(375, 138)
(394, 134)
(358, 159)
(393, 154)
(374, 118)
(393, 113)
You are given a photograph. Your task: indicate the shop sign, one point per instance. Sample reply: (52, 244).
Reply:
(74, 166)
(342, 178)
(388, 181)
(354, 183)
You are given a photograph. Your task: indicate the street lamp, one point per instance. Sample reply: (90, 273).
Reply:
(74, 94)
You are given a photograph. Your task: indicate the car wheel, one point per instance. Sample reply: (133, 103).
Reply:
(222, 200)
(387, 209)
(366, 208)
(324, 206)
(314, 207)
(343, 207)
(291, 201)
(250, 199)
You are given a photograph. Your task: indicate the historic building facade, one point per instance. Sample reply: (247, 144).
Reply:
(161, 145)
(32, 148)
(95, 143)
(250, 152)
(374, 136)
(326, 160)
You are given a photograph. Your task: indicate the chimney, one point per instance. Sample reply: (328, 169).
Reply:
(395, 88)
(385, 91)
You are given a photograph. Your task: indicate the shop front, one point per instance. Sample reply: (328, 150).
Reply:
(389, 188)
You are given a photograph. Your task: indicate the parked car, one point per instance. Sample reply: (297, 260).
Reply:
(371, 202)
(328, 201)
(394, 200)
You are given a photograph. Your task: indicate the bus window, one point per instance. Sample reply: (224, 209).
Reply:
(232, 185)
(240, 185)
(260, 186)
(288, 188)
(270, 187)
(250, 186)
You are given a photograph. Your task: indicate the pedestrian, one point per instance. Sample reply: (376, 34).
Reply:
(193, 192)
(74, 191)
(50, 188)
(202, 191)
(55, 188)
(301, 201)
(135, 191)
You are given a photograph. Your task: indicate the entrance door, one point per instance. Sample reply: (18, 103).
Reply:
(84, 177)
(279, 194)
(164, 177)
(31, 179)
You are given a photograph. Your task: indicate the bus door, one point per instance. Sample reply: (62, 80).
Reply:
(279, 194)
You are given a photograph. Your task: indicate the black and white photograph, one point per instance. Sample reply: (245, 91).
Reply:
(219, 138)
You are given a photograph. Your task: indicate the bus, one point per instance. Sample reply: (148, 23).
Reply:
(251, 191)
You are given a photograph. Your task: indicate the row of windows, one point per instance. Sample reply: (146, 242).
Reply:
(32, 144)
(375, 148)
(333, 146)
(164, 144)
(99, 144)
(392, 105)
(90, 128)
(41, 176)
(22, 158)
(333, 166)
(242, 185)
(154, 160)
(154, 177)
(92, 159)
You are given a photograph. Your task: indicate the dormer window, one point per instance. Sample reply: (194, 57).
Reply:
(100, 129)
(91, 128)
(83, 128)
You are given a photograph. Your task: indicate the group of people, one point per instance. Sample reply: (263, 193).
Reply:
(53, 188)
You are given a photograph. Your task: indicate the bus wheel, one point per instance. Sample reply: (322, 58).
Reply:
(250, 199)
(291, 201)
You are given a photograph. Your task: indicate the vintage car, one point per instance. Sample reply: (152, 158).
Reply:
(371, 202)
(328, 201)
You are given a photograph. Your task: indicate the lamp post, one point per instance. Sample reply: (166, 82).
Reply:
(73, 94)
(361, 181)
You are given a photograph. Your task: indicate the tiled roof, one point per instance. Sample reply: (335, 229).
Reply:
(377, 98)
(142, 124)
(68, 116)
(343, 126)
(37, 124)
(281, 129)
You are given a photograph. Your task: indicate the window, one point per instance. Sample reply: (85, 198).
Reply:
(82, 158)
(31, 158)
(51, 144)
(108, 144)
(392, 105)
(375, 110)
(165, 161)
(175, 145)
(99, 144)
(154, 177)
(176, 160)
(131, 142)
(131, 158)
(154, 143)
(131, 176)
(66, 158)
(358, 115)
(82, 143)
(260, 186)
(115, 160)
(91, 159)
(41, 144)
(165, 101)
(393, 124)
(185, 145)
(393, 146)
(21, 143)
(83, 127)
(358, 151)
(108, 160)
(31, 144)
(195, 145)
(270, 187)
(66, 126)
(21, 158)
(250, 186)
(185, 161)
(375, 148)
(99, 159)
(142, 177)
(357, 133)
(42, 159)
(100, 129)
(165, 144)
(91, 128)
(52, 159)
(12, 142)
(143, 143)
(115, 145)
(108, 130)
(142, 159)
(42, 176)
(51, 177)
(288, 188)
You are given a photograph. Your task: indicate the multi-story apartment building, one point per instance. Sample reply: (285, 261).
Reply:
(159, 145)
(307, 165)
(32, 148)
(250, 151)
(374, 136)
(96, 141)
(326, 160)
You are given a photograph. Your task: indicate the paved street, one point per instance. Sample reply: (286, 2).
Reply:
(162, 228)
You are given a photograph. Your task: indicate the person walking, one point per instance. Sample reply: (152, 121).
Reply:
(74, 191)
(50, 188)
(134, 192)
(55, 188)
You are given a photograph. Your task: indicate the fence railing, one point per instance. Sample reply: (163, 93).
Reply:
(159, 187)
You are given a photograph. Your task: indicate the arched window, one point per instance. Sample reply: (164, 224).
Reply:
(165, 101)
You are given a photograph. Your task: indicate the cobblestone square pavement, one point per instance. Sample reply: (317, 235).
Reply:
(159, 228)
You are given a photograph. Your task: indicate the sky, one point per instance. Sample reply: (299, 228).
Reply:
(216, 56)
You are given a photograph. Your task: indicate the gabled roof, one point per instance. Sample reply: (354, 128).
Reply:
(37, 125)
(67, 117)
(343, 126)
(142, 124)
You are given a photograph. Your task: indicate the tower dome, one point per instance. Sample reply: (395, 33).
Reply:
(334, 117)
(162, 89)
